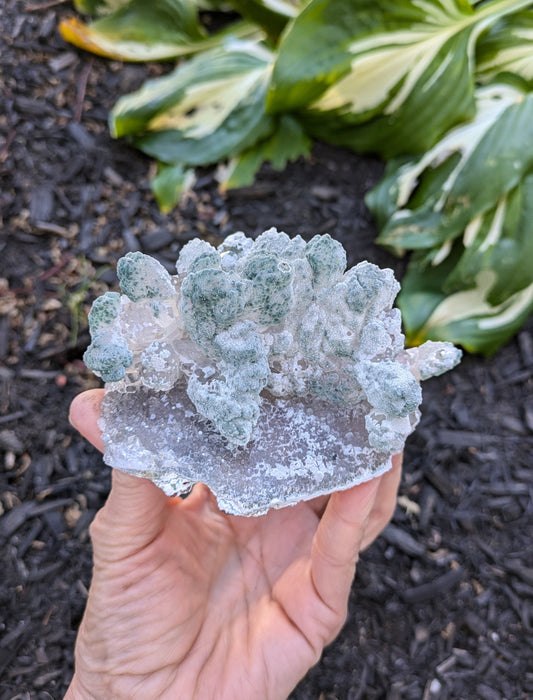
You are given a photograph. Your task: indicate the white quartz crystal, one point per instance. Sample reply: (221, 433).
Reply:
(261, 369)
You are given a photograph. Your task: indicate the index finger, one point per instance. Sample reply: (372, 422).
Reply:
(338, 540)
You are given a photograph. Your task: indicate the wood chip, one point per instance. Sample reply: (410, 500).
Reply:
(439, 586)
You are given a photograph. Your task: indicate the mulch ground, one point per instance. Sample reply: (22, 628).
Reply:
(442, 606)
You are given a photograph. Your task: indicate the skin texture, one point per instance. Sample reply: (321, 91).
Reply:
(187, 601)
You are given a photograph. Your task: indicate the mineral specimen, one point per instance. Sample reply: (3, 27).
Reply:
(261, 369)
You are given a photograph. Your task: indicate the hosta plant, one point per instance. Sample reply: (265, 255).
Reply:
(439, 86)
(466, 207)
(384, 77)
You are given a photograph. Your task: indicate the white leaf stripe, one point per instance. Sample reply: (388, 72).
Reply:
(496, 226)
(516, 59)
(509, 311)
(472, 230)
(472, 304)
(491, 103)
(205, 106)
(283, 7)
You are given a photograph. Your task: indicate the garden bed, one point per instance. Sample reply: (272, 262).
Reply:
(442, 606)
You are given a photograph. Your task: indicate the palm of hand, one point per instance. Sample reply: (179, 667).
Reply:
(189, 602)
(211, 597)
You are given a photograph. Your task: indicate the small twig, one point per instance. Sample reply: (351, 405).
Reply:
(49, 227)
(13, 416)
(56, 268)
(38, 374)
(82, 87)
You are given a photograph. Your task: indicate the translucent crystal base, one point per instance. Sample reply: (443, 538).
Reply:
(301, 449)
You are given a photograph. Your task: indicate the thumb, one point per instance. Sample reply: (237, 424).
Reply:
(84, 414)
(135, 509)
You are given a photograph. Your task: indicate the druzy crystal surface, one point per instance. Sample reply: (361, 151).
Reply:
(261, 368)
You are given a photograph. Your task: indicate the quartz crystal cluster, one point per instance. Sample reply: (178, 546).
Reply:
(262, 368)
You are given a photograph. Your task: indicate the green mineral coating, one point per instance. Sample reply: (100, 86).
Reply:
(309, 334)
(382, 436)
(211, 300)
(276, 307)
(327, 258)
(374, 339)
(197, 255)
(339, 341)
(233, 416)
(331, 387)
(281, 343)
(104, 311)
(143, 277)
(233, 405)
(108, 356)
(280, 244)
(390, 387)
(241, 344)
(267, 271)
(232, 248)
(365, 283)
(244, 358)
(250, 379)
(270, 290)
(277, 242)
(205, 261)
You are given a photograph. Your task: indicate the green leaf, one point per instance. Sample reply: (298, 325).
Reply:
(143, 30)
(501, 241)
(170, 182)
(287, 143)
(463, 176)
(101, 7)
(463, 318)
(422, 292)
(507, 49)
(140, 30)
(383, 199)
(388, 77)
(208, 109)
(482, 292)
(271, 15)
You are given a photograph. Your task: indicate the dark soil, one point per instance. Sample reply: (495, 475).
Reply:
(442, 605)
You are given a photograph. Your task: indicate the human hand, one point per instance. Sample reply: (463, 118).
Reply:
(189, 602)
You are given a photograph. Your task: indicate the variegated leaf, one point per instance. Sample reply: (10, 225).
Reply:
(507, 49)
(428, 201)
(463, 318)
(142, 30)
(208, 109)
(501, 240)
(480, 291)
